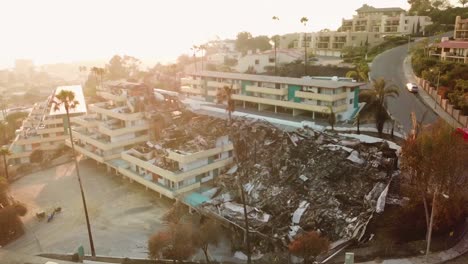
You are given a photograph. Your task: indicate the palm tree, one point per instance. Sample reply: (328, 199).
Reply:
(463, 2)
(5, 152)
(275, 39)
(67, 100)
(361, 73)
(194, 48)
(304, 21)
(376, 102)
(226, 95)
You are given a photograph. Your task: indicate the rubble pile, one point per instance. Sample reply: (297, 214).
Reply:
(192, 133)
(302, 180)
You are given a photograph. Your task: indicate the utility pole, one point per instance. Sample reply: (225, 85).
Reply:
(246, 220)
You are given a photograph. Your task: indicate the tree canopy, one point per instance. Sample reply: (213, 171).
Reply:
(245, 42)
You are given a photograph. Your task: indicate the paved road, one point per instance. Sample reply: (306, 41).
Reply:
(389, 65)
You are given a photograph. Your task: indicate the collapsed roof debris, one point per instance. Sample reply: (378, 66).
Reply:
(303, 180)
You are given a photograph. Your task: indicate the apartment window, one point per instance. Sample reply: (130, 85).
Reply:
(351, 101)
(353, 38)
(406, 22)
(257, 62)
(271, 60)
(45, 135)
(376, 36)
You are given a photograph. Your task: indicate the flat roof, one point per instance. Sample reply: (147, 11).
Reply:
(277, 79)
(368, 8)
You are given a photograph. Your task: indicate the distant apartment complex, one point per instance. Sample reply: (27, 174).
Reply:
(457, 49)
(43, 129)
(257, 62)
(368, 27)
(386, 21)
(297, 96)
(150, 144)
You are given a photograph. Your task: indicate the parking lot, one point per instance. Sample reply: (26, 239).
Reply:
(122, 215)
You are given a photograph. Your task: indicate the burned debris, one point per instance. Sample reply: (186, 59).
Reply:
(301, 181)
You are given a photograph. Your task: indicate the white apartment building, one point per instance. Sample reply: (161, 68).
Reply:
(297, 96)
(175, 165)
(43, 129)
(258, 61)
(387, 21)
(147, 140)
(370, 26)
(113, 126)
(457, 49)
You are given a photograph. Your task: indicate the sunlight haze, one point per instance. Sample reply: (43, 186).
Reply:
(64, 31)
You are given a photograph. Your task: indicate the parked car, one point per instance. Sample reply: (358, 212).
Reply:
(412, 87)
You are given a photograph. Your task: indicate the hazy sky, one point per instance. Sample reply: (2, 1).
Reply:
(49, 31)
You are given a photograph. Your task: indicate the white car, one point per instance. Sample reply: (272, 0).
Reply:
(412, 87)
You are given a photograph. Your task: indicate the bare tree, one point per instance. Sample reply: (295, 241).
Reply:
(436, 162)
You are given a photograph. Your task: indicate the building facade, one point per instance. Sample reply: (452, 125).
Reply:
(112, 126)
(259, 61)
(38, 131)
(456, 49)
(297, 96)
(175, 168)
(369, 27)
(144, 137)
(386, 21)
(45, 128)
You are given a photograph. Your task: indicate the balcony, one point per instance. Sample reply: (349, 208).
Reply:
(186, 158)
(90, 154)
(264, 90)
(41, 131)
(38, 139)
(118, 129)
(177, 175)
(190, 81)
(142, 152)
(321, 97)
(122, 112)
(215, 84)
(87, 121)
(148, 183)
(212, 93)
(190, 90)
(288, 104)
(104, 144)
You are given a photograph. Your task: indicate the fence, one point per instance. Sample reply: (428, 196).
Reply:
(444, 103)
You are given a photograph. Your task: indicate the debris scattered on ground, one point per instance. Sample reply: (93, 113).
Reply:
(303, 180)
